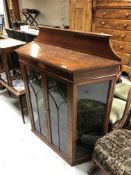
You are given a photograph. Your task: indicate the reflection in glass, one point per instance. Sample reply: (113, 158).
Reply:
(37, 100)
(57, 93)
(91, 112)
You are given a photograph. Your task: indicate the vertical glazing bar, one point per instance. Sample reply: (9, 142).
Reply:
(44, 84)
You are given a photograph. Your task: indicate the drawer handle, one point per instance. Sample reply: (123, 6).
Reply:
(125, 25)
(123, 36)
(121, 47)
(127, 14)
(104, 13)
(103, 22)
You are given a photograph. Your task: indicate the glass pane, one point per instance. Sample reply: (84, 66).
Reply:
(57, 93)
(37, 100)
(91, 112)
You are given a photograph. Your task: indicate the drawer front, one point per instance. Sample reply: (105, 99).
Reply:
(119, 46)
(113, 24)
(104, 23)
(114, 3)
(105, 31)
(107, 1)
(119, 35)
(127, 69)
(113, 13)
(122, 35)
(125, 58)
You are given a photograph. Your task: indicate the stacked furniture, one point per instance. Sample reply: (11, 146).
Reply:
(69, 89)
(114, 17)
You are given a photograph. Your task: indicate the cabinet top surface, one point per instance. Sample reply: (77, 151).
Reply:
(10, 43)
(62, 58)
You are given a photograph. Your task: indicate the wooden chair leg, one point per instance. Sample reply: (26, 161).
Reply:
(94, 169)
(21, 108)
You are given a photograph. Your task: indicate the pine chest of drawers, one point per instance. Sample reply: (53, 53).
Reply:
(114, 17)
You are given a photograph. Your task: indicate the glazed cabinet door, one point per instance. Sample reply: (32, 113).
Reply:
(36, 99)
(81, 15)
(91, 112)
(57, 100)
(48, 103)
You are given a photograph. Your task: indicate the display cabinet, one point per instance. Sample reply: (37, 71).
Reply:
(69, 79)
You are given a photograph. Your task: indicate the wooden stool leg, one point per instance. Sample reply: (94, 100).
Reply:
(21, 108)
(9, 93)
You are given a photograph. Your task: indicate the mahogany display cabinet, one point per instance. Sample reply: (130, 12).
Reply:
(69, 78)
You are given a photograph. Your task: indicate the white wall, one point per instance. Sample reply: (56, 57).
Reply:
(1, 7)
(52, 12)
(3, 11)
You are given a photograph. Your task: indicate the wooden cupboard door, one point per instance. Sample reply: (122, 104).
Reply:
(89, 16)
(80, 15)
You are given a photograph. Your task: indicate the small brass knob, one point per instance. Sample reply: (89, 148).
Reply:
(125, 25)
(104, 13)
(127, 14)
(103, 22)
(123, 36)
(121, 47)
